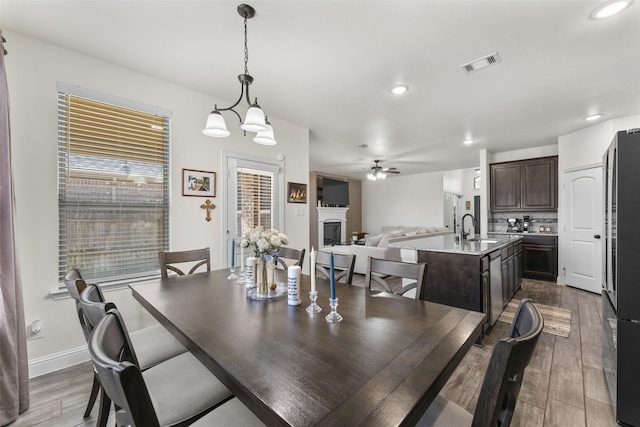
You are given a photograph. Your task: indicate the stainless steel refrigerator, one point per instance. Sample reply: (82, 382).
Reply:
(621, 275)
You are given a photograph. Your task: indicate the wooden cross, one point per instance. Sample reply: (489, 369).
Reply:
(208, 206)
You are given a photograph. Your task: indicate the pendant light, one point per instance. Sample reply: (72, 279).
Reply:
(254, 120)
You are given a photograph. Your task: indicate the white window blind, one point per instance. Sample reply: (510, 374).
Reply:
(256, 201)
(113, 188)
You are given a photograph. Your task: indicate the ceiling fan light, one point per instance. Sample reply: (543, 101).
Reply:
(265, 137)
(371, 177)
(254, 120)
(216, 127)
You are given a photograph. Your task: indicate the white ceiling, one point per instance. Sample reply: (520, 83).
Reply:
(328, 66)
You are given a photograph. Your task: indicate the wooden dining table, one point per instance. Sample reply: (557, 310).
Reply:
(381, 366)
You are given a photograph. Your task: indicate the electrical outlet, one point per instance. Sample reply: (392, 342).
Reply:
(36, 330)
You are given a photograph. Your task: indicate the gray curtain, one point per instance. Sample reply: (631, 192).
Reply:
(14, 374)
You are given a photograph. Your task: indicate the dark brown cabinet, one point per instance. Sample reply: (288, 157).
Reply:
(540, 258)
(525, 185)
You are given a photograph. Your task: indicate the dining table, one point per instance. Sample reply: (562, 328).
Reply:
(382, 365)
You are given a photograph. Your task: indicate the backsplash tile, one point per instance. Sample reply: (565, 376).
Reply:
(498, 221)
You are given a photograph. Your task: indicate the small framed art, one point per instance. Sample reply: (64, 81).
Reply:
(198, 183)
(297, 193)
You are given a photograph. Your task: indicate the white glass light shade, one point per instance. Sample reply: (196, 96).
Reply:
(266, 137)
(216, 126)
(371, 177)
(254, 120)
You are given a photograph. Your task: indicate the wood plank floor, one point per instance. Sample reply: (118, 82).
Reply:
(563, 386)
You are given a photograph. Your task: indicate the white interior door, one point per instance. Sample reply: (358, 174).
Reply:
(583, 219)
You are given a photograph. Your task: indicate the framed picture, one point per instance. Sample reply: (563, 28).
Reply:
(198, 183)
(297, 193)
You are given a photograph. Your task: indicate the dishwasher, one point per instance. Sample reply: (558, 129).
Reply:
(495, 286)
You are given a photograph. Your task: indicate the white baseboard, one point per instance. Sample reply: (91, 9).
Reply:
(55, 362)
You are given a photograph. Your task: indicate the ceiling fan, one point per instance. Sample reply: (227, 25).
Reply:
(378, 172)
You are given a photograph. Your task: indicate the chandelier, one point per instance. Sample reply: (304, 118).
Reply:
(255, 120)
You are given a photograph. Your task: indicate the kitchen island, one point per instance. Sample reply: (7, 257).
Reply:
(480, 273)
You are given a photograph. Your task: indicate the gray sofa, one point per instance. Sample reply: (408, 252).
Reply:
(376, 244)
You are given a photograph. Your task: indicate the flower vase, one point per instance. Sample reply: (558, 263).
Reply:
(263, 285)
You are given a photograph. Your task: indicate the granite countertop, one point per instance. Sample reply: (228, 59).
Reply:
(447, 243)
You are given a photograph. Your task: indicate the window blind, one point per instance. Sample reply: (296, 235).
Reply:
(256, 201)
(113, 187)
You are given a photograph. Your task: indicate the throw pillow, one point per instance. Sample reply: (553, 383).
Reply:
(373, 240)
(386, 236)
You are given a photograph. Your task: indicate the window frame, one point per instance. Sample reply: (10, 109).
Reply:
(114, 280)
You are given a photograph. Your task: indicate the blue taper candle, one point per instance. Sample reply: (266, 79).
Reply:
(233, 253)
(332, 279)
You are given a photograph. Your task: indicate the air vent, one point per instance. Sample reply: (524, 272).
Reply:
(363, 146)
(481, 63)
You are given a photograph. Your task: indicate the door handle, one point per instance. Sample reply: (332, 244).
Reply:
(597, 236)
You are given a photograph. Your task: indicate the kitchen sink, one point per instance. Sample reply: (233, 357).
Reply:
(473, 239)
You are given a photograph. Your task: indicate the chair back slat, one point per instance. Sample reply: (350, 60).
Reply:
(283, 253)
(343, 265)
(201, 257)
(120, 377)
(378, 269)
(511, 355)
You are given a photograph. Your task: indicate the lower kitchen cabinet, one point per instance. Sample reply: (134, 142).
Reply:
(540, 257)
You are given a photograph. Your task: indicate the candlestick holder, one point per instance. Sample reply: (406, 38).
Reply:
(233, 275)
(313, 307)
(334, 316)
(242, 277)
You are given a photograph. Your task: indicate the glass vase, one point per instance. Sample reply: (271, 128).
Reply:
(263, 285)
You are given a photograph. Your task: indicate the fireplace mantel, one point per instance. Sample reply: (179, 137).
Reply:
(331, 215)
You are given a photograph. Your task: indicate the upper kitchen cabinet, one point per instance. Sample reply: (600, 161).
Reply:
(525, 185)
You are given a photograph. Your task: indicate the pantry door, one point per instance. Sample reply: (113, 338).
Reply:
(583, 229)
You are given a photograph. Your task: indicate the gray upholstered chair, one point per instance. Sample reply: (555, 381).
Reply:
(154, 343)
(502, 381)
(194, 259)
(180, 391)
(283, 253)
(379, 271)
(342, 265)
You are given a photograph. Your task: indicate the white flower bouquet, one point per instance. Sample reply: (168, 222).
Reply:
(265, 242)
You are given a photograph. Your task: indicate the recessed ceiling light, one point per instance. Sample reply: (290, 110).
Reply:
(593, 117)
(468, 141)
(610, 8)
(399, 89)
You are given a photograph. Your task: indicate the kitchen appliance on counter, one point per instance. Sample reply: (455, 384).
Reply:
(512, 225)
(525, 223)
(621, 283)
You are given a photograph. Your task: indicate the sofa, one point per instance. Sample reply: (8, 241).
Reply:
(375, 245)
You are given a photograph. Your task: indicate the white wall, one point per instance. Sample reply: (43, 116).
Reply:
(411, 200)
(33, 68)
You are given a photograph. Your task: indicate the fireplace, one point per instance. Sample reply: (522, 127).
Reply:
(332, 233)
(332, 226)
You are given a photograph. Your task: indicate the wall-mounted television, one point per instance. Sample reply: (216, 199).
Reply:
(335, 193)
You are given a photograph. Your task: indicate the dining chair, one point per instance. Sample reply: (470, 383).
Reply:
(283, 253)
(75, 285)
(502, 381)
(343, 265)
(198, 256)
(173, 393)
(154, 343)
(379, 270)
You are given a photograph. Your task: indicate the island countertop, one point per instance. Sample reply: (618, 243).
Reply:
(447, 243)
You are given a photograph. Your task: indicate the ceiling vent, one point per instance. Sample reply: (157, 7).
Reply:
(481, 63)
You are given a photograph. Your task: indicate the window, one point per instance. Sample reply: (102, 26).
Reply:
(476, 182)
(113, 189)
(254, 200)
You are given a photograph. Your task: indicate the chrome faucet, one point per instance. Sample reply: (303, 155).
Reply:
(464, 235)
